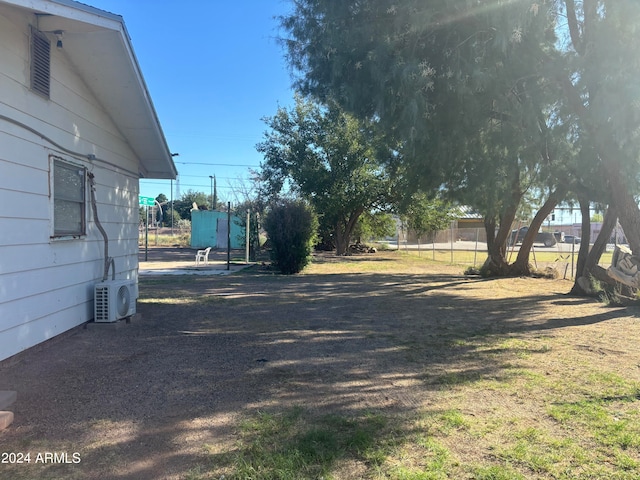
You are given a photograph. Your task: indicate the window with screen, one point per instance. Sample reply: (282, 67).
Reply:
(69, 199)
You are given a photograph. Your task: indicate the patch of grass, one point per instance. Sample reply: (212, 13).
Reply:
(182, 239)
(406, 473)
(466, 257)
(296, 445)
(521, 348)
(450, 379)
(599, 420)
(537, 451)
(437, 454)
(452, 420)
(496, 472)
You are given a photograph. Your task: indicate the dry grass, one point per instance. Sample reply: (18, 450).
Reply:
(376, 366)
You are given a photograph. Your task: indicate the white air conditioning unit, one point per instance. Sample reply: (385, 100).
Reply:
(114, 300)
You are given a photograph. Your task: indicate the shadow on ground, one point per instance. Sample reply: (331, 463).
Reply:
(141, 400)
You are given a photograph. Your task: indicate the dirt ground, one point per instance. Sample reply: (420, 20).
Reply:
(155, 398)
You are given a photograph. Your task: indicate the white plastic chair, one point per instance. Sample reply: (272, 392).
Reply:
(203, 256)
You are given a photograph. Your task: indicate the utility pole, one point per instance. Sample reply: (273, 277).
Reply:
(211, 177)
(215, 194)
(172, 155)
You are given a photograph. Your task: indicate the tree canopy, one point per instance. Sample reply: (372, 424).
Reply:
(487, 99)
(329, 158)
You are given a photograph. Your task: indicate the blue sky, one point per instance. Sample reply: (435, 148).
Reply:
(213, 69)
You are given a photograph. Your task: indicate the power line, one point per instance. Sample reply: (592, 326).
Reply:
(185, 185)
(201, 176)
(219, 164)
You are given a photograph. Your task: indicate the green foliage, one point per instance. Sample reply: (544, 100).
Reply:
(425, 215)
(487, 99)
(497, 473)
(373, 226)
(294, 445)
(458, 88)
(601, 421)
(185, 204)
(183, 225)
(291, 226)
(329, 158)
(161, 214)
(241, 211)
(445, 77)
(171, 212)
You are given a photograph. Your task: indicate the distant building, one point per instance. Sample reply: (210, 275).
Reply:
(469, 226)
(209, 229)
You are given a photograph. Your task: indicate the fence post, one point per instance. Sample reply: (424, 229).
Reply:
(247, 236)
(433, 246)
(228, 235)
(475, 253)
(452, 243)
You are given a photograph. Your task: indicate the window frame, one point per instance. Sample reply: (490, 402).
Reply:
(58, 232)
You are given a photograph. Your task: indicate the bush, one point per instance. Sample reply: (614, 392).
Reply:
(291, 226)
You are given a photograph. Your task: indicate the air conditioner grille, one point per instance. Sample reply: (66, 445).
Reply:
(124, 300)
(102, 303)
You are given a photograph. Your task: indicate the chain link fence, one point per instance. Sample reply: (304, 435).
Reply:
(467, 246)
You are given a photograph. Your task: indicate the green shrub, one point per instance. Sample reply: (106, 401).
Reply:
(291, 226)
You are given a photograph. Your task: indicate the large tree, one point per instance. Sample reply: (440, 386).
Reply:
(599, 74)
(328, 157)
(187, 200)
(459, 86)
(491, 87)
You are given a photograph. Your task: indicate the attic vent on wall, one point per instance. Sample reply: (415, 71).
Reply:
(40, 63)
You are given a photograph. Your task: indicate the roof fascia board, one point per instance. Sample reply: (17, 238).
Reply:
(73, 11)
(80, 12)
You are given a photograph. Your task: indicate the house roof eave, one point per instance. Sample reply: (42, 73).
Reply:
(99, 47)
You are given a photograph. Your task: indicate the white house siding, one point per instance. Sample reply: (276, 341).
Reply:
(46, 285)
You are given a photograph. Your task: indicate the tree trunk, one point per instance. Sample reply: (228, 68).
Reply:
(521, 266)
(625, 203)
(343, 232)
(496, 263)
(490, 226)
(589, 266)
(585, 239)
(612, 172)
(598, 248)
(342, 243)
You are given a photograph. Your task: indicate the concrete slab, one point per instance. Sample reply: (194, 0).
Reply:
(181, 270)
(7, 398)
(6, 419)
(107, 325)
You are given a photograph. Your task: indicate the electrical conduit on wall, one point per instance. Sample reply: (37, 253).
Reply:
(108, 261)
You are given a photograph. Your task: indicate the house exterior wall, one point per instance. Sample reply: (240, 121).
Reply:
(204, 224)
(46, 284)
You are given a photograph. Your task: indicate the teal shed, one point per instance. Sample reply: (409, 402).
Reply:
(209, 229)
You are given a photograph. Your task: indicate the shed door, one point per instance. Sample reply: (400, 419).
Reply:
(222, 233)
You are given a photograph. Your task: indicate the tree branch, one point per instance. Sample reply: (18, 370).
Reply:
(574, 28)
